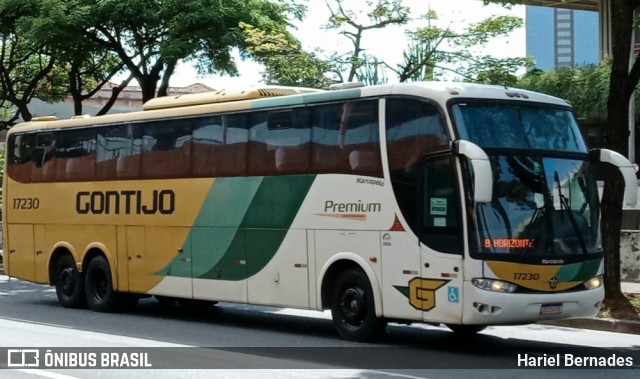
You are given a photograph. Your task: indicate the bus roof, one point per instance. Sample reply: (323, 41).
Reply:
(270, 96)
(222, 96)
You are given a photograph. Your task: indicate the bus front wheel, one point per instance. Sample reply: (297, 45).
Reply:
(353, 308)
(69, 283)
(99, 288)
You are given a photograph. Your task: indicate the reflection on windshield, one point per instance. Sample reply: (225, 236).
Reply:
(518, 126)
(541, 207)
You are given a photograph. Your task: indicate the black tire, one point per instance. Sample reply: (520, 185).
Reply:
(69, 283)
(466, 330)
(99, 287)
(353, 308)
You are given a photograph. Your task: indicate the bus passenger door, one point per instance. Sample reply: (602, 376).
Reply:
(20, 258)
(442, 244)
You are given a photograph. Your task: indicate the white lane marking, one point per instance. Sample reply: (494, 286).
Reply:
(46, 374)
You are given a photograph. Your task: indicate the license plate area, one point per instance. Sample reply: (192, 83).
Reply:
(551, 309)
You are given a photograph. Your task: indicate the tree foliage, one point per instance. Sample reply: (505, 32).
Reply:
(585, 87)
(286, 63)
(55, 48)
(150, 37)
(27, 66)
(435, 52)
(432, 52)
(353, 25)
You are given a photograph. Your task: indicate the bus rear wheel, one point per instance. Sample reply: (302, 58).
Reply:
(353, 308)
(99, 287)
(69, 283)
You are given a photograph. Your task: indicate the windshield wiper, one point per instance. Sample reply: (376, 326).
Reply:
(564, 205)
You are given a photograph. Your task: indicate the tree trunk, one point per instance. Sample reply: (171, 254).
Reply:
(617, 139)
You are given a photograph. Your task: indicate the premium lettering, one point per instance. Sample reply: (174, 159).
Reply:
(330, 206)
(126, 202)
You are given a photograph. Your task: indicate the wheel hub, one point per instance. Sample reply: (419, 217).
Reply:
(353, 306)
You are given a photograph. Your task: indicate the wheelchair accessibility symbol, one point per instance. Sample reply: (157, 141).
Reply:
(453, 294)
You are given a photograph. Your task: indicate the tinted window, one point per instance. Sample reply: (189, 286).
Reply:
(280, 142)
(208, 145)
(518, 126)
(20, 159)
(415, 128)
(116, 155)
(346, 138)
(44, 158)
(166, 147)
(75, 153)
(441, 206)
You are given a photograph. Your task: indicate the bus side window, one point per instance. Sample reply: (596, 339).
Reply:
(292, 144)
(75, 152)
(414, 129)
(260, 158)
(115, 158)
(346, 138)
(166, 149)
(43, 156)
(441, 206)
(207, 145)
(20, 162)
(233, 158)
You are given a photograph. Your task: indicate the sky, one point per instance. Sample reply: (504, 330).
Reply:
(387, 43)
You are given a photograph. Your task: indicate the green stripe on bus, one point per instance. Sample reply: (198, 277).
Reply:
(241, 226)
(578, 271)
(213, 230)
(266, 223)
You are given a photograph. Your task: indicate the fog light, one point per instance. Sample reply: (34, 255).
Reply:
(593, 283)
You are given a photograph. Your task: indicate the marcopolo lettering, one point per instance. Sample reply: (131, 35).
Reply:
(126, 202)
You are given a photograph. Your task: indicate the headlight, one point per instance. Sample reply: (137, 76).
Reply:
(493, 285)
(593, 283)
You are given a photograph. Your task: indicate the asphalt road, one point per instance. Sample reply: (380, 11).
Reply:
(267, 342)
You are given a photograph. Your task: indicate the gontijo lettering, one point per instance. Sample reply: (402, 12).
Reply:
(126, 202)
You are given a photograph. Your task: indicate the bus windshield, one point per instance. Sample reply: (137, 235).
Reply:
(542, 207)
(545, 201)
(498, 125)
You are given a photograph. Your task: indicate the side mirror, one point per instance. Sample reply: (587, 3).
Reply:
(626, 169)
(482, 174)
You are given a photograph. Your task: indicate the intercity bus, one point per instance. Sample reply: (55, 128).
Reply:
(443, 203)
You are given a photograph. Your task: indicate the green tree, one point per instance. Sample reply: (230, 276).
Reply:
(86, 65)
(622, 84)
(434, 51)
(286, 63)
(377, 15)
(585, 87)
(27, 67)
(431, 52)
(151, 36)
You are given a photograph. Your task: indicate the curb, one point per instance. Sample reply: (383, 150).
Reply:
(602, 324)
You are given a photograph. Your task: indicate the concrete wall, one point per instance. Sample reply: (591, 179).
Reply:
(630, 256)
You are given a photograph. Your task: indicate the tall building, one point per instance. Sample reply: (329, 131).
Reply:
(561, 37)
